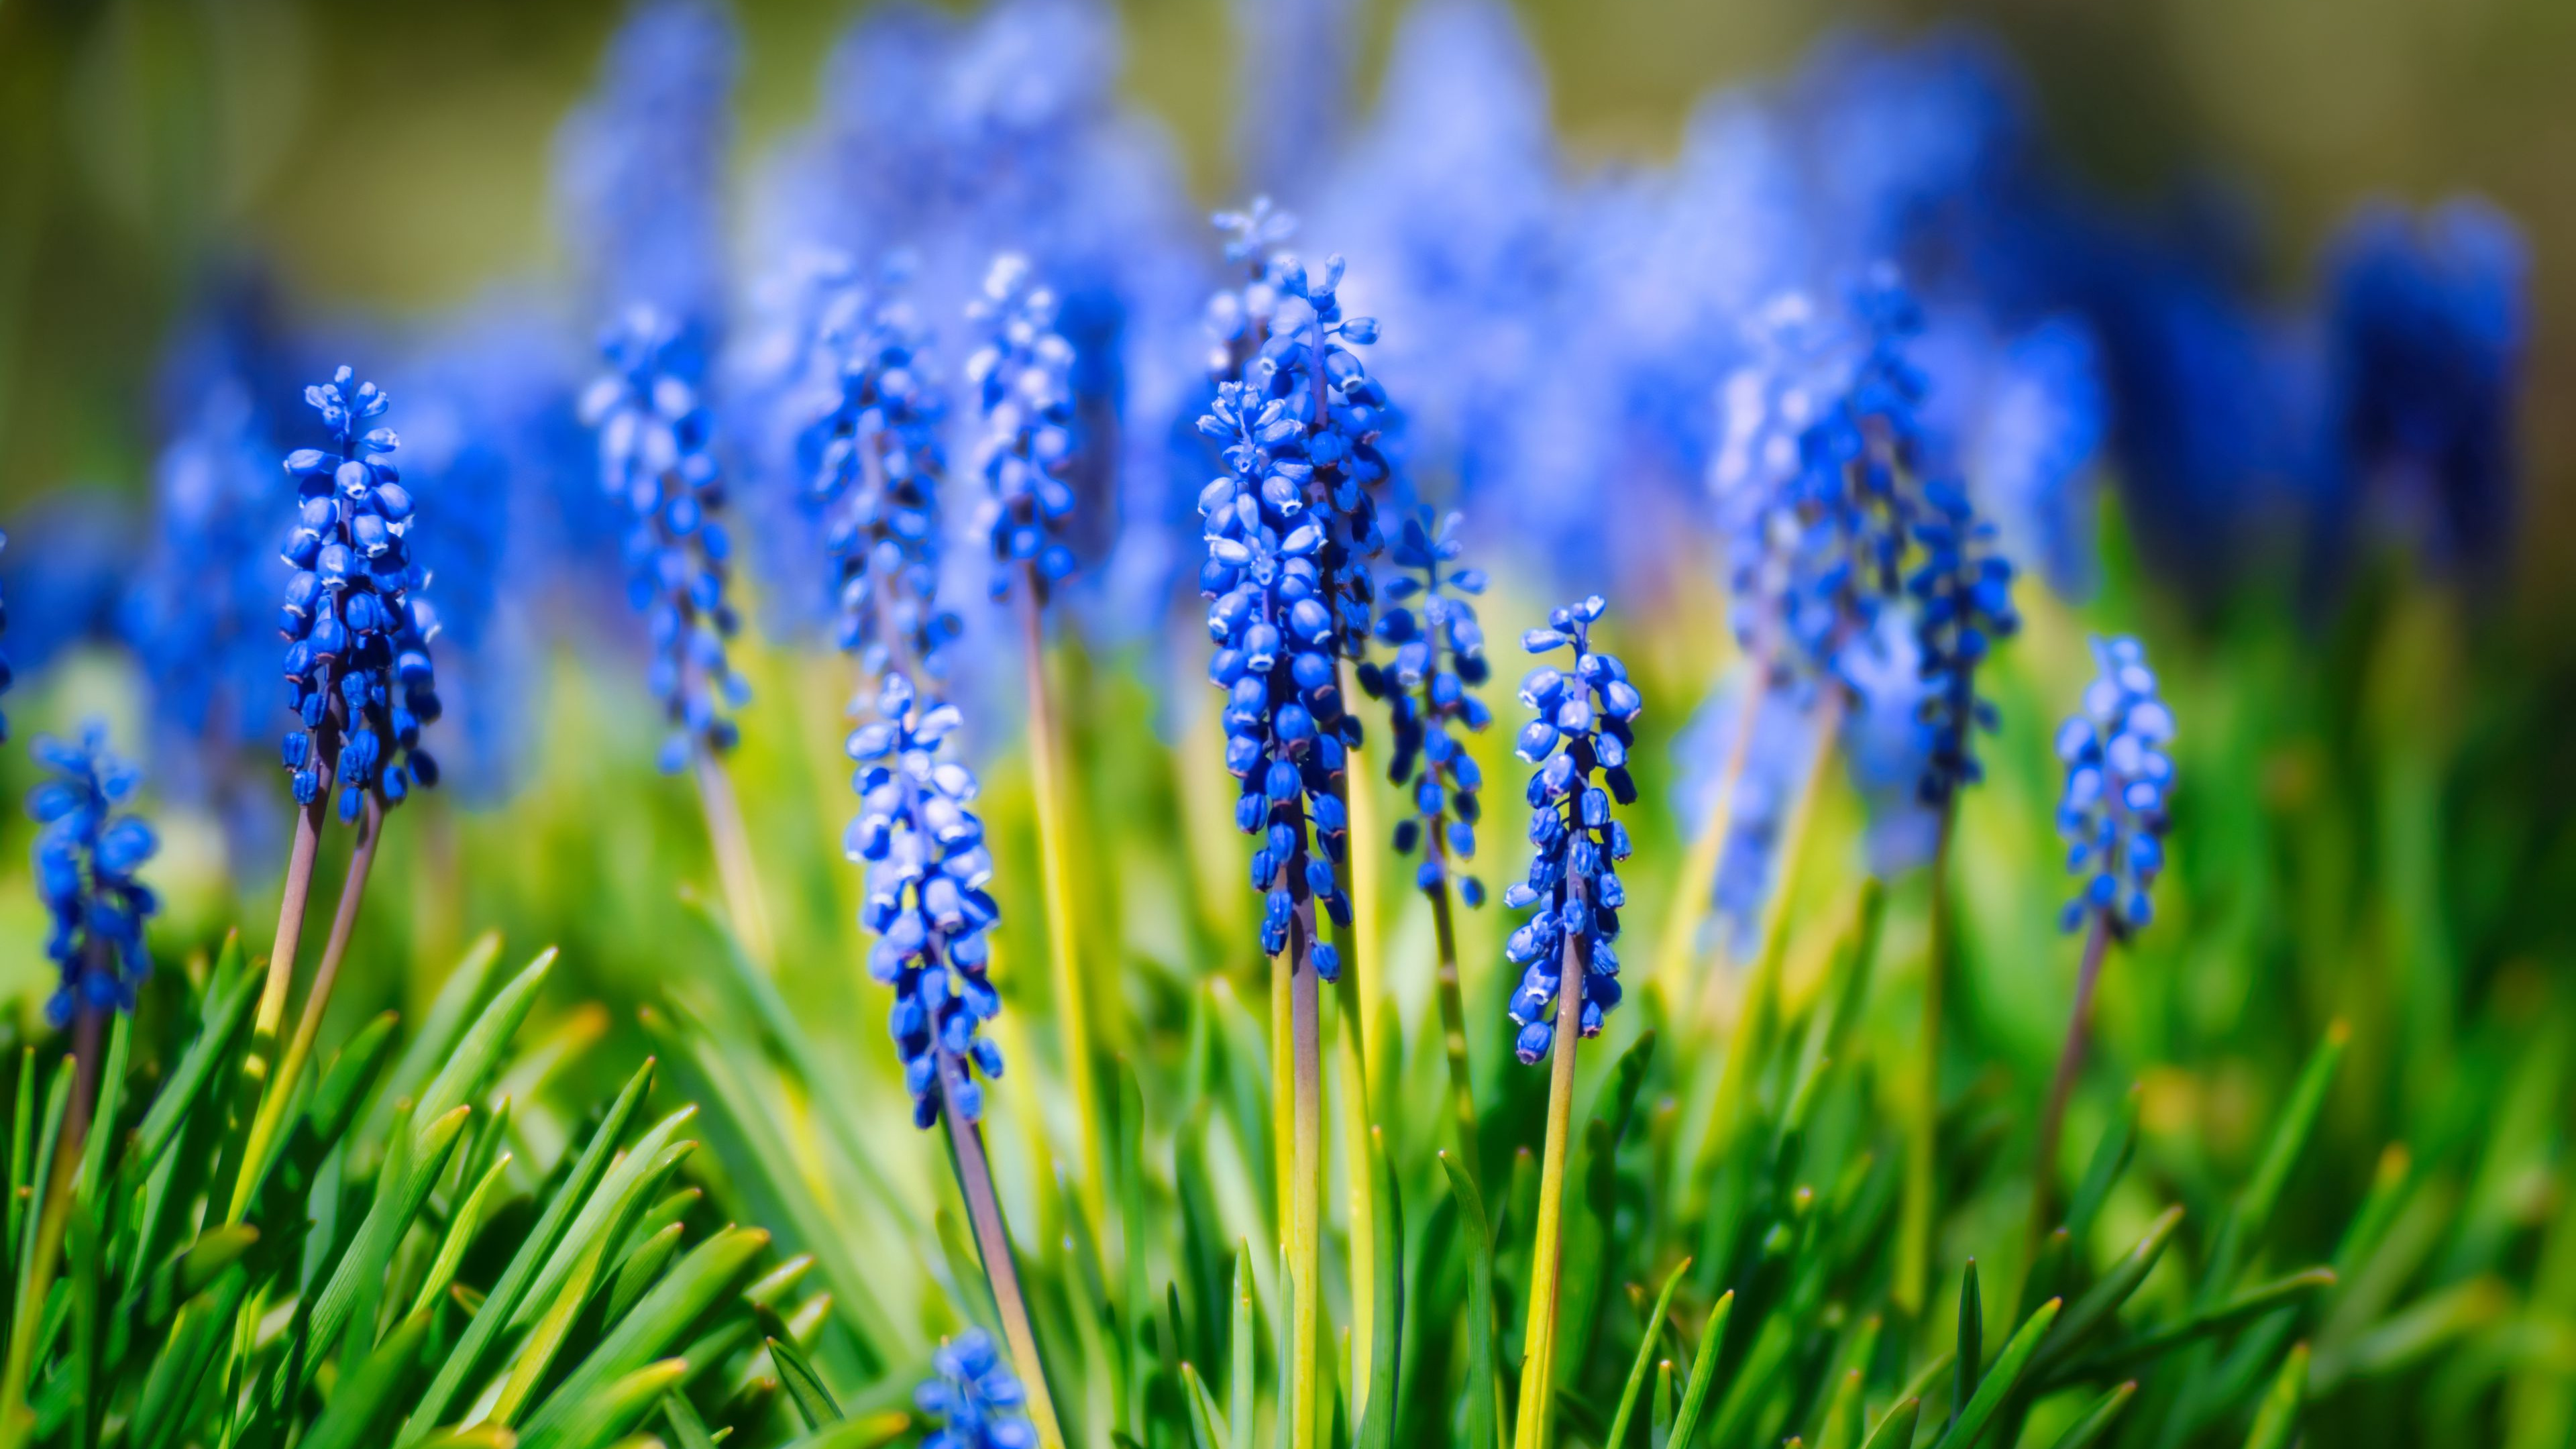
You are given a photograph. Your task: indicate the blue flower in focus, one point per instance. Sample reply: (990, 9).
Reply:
(640, 166)
(1022, 377)
(657, 459)
(872, 459)
(975, 1398)
(927, 868)
(2118, 779)
(2427, 327)
(358, 631)
(1439, 657)
(85, 857)
(1963, 593)
(1584, 724)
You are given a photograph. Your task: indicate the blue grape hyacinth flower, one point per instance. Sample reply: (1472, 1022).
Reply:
(1022, 377)
(6, 676)
(357, 658)
(86, 856)
(1439, 658)
(976, 1399)
(2119, 777)
(1579, 738)
(927, 868)
(873, 463)
(1238, 318)
(657, 460)
(1963, 592)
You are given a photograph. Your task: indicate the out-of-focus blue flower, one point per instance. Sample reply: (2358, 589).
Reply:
(1022, 377)
(2039, 413)
(1583, 724)
(2426, 333)
(974, 1397)
(927, 867)
(2118, 781)
(1775, 763)
(6, 677)
(656, 459)
(1439, 657)
(86, 856)
(640, 167)
(869, 449)
(1294, 61)
(1238, 317)
(358, 631)
(1963, 604)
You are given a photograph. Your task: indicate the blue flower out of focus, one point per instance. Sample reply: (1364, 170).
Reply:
(1964, 595)
(872, 459)
(2118, 779)
(1439, 658)
(6, 677)
(656, 458)
(1022, 377)
(927, 868)
(1238, 318)
(975, 1397)
(357, 661)
(86, 857)
(1584, 726)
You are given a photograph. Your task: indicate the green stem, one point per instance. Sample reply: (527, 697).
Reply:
(1699, 869)
(1073, 1011)
(993, 1244)
(1306, 1181)
(1922, 1185)
(299, 1049)
(730, 839)
(1538, 1352)
(1453, 1023)
(2070, 1060)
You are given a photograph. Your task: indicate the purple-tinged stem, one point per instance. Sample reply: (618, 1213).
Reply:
(2079, 1029)
(1538, 1352)
(1306, 1179)
(993, 1243)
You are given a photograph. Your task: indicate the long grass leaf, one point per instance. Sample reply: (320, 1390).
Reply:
(805, 1388)
(1645, 1359)
(2278, 1419)
(1970, 1421)
(2097, 1421)
(1703, 1371)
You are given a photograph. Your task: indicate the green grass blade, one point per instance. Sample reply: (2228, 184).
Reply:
(1896, 1429)
(2101, 1303)
(460, 1234)
(229, 993)
(1379, 1411)
(613, 1196)
(805, 1388)
(1484, 1377)
(1755, 1382)
(2251, 1304)
(657, 1322)
(479, 1053)
(434, 1044)
(403, 1186)
(688, 1431)
(1239, 1386)
(2097, 1421)
(1637, 1371)
(2110, 1159)
(1969, 1422)
(1208, 1427)
(1971, 1351)
(609, 1411)
(643, 1263)
(110, 1104)
(2278, 1419)
(1712, 1344)
(365, 1395)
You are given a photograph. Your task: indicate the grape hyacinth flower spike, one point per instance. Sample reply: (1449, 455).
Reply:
(6, 676)
(657, 460)
(1583, 727)
(1964, 594)
(86, 856)
(2119, 779)
(1439, 660)
(974, 1398)
(1022, 377)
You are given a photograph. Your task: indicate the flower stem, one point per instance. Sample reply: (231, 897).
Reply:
(2052, 1121)
(1453, 1024)
(1073, 1012)
(290, 915)
(731, 841)
(344, 923)
(1922, 1184)
(993, 1244)
(1306, 1181)
(1708, 851)
(1538, 1352)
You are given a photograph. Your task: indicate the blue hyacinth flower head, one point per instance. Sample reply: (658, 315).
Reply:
(1582, 726)
(873, 463)
(657, 462)
(1439, 660)
(357, 627)
(1023, 381)
(1239, 317)
(6, 677)
(1820, 500)
(2119, 778)
(1963, 593)
(974, 1397)
(86, 855)
(927, 868)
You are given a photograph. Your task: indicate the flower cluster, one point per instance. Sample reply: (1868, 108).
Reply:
(926, 906)
(657, 459)
(1439, 658)
(1023, 381)
(2118, 777)
(357, 658)
(6, 678)
(974, 1395)
(1239, 318)
(1584, 724)
(873, 462)
(86, 857)
(1964, 594)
